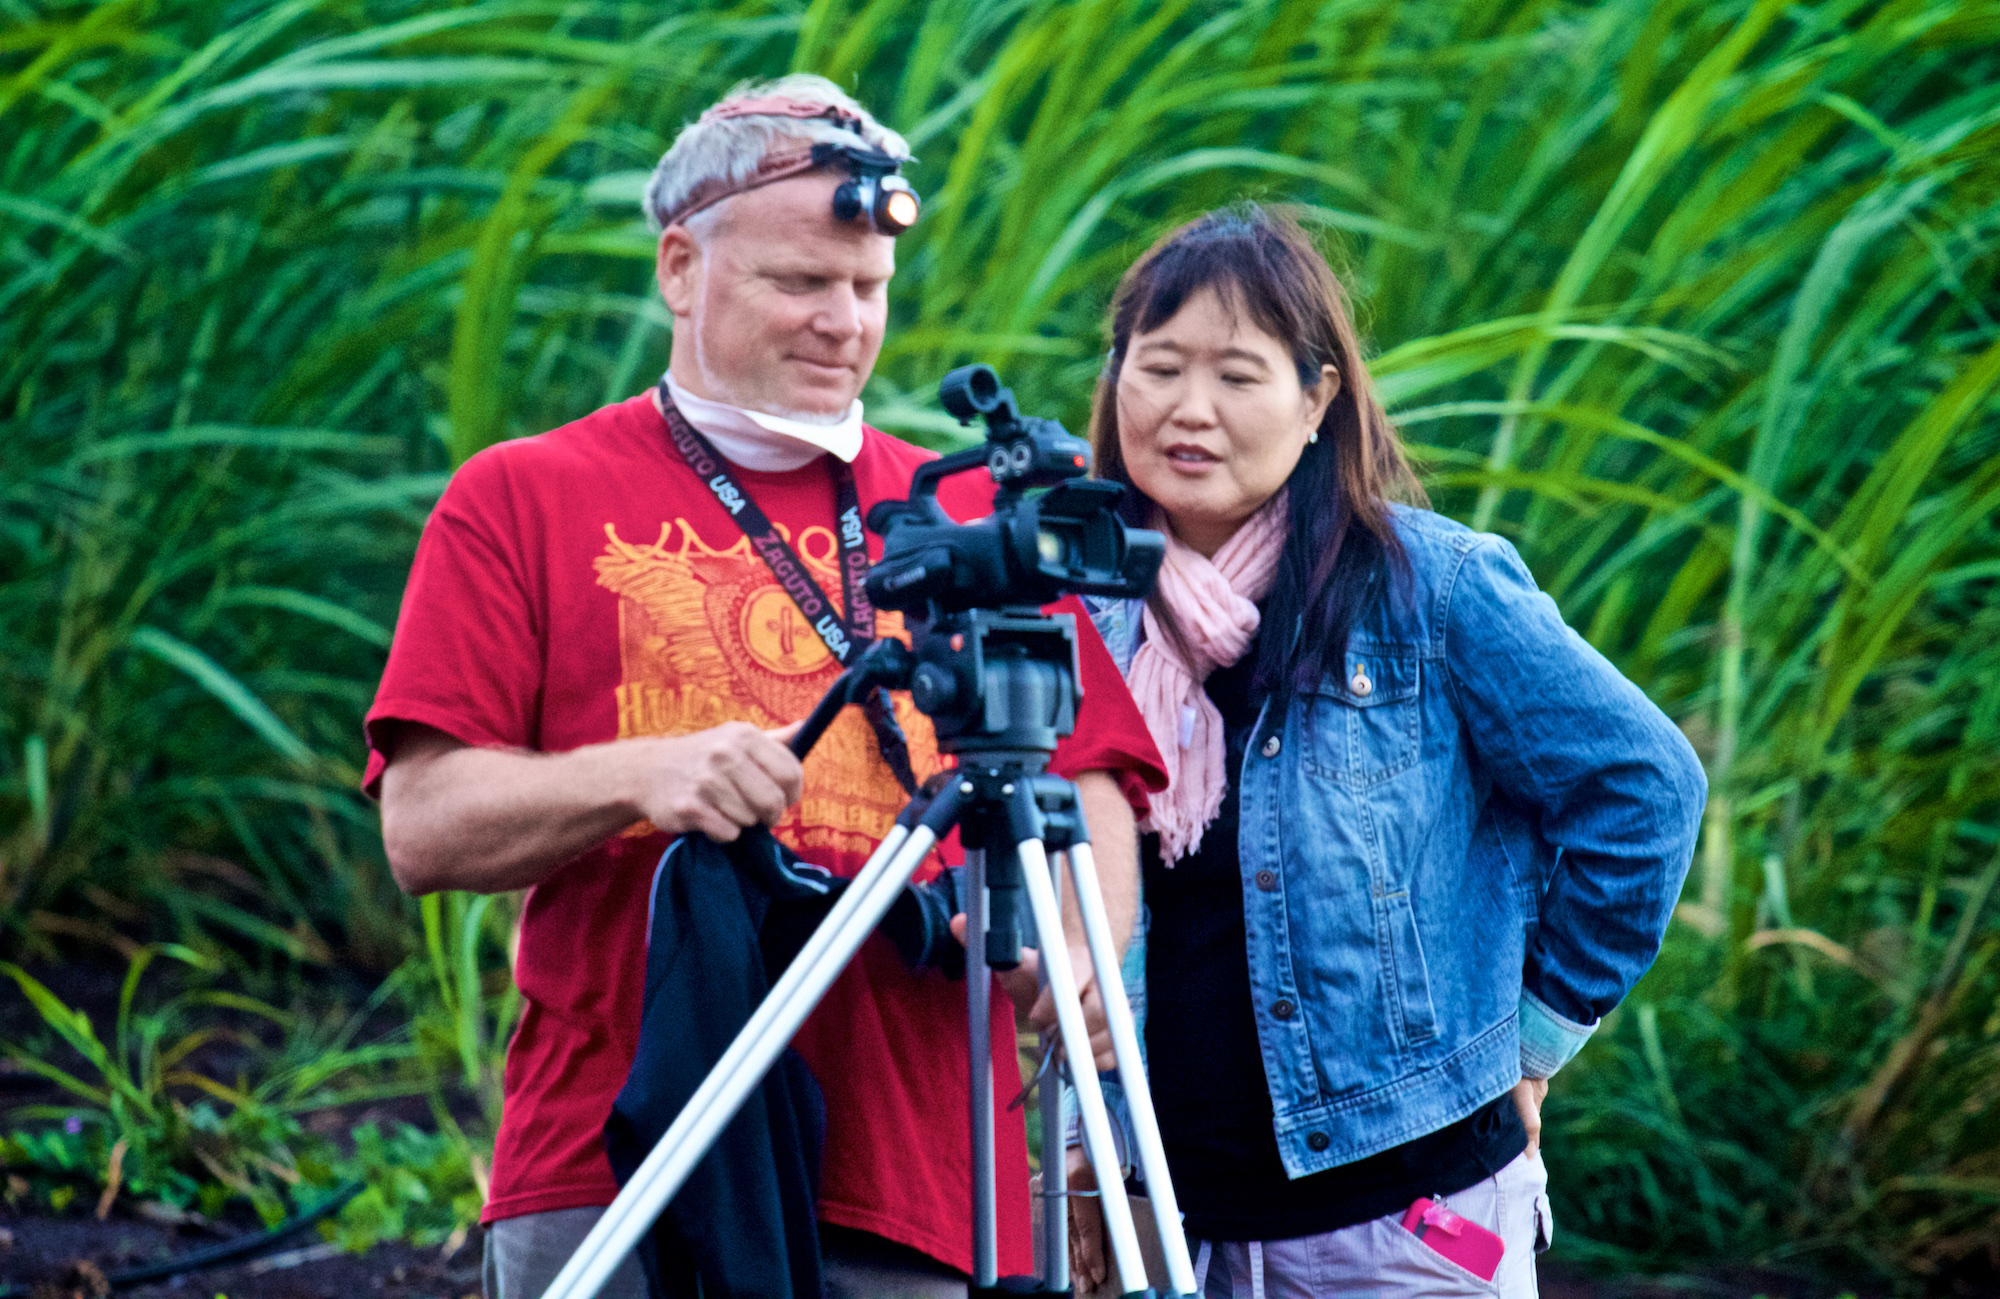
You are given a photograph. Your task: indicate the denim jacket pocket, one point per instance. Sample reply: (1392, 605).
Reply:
(1362, 724)
(1405, 973)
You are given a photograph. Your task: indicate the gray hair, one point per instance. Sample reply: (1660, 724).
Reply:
(729, 148)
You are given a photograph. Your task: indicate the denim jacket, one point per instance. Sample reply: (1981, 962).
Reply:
(1458, 850)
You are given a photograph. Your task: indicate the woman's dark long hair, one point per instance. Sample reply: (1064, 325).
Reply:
(1339, 543)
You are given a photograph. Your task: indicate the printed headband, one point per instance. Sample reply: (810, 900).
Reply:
(781, 165)
(781, 106)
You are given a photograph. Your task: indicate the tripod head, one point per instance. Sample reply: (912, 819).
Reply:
(1001, 691)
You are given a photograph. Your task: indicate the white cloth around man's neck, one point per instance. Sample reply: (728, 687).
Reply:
(769, 444)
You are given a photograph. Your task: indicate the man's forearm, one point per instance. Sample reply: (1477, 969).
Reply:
(492, 820)
(489, 820)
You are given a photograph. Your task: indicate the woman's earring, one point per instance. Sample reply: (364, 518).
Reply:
(1312, 437)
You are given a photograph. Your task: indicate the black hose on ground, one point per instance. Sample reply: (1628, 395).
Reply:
(234, 1250)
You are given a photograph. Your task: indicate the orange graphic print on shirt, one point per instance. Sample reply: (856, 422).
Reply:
(708, 636)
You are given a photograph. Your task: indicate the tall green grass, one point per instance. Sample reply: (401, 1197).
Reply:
(1692, 298)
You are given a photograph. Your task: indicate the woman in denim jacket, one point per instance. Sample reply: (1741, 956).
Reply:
(1420, 837)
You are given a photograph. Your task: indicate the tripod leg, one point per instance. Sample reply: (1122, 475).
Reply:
(1131, 1070)
(1076, 1043)
(1055, 1158)
(979, 1015)
(743, 1066)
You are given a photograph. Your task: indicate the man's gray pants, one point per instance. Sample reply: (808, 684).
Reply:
(524, 1254)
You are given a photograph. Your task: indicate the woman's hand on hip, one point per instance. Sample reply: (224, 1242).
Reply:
(1529, 1094)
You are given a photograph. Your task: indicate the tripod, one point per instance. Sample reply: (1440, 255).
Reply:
(1001, 689)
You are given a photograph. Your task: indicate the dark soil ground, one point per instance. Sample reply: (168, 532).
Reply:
(69, 1258)
(44, 1256)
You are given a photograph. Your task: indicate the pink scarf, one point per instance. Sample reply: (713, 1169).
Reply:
(1213, 603)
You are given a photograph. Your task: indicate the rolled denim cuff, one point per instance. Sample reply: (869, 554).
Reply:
(1121, 1120)
(1548, 1041)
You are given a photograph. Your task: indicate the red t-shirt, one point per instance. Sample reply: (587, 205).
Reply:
(584, 586)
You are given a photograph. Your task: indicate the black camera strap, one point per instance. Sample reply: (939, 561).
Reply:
(847, 634)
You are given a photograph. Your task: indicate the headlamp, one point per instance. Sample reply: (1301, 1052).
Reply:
(872, 188)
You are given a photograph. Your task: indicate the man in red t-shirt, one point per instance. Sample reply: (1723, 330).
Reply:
(591, 658)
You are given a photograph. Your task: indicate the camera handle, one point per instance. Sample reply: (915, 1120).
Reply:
(885, 663)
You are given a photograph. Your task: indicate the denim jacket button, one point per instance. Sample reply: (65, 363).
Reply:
(1318, 1140)
(1267, 880)
(1272, 745)
(1359, 683)
(1282, 1008)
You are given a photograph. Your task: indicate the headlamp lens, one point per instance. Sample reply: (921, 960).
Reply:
(896, 209)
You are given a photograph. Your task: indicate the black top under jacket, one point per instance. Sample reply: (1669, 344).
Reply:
(1207, 1070)
(726, 921)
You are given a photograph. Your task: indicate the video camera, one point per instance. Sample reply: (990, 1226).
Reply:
(1034, 548)
(990, 669)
